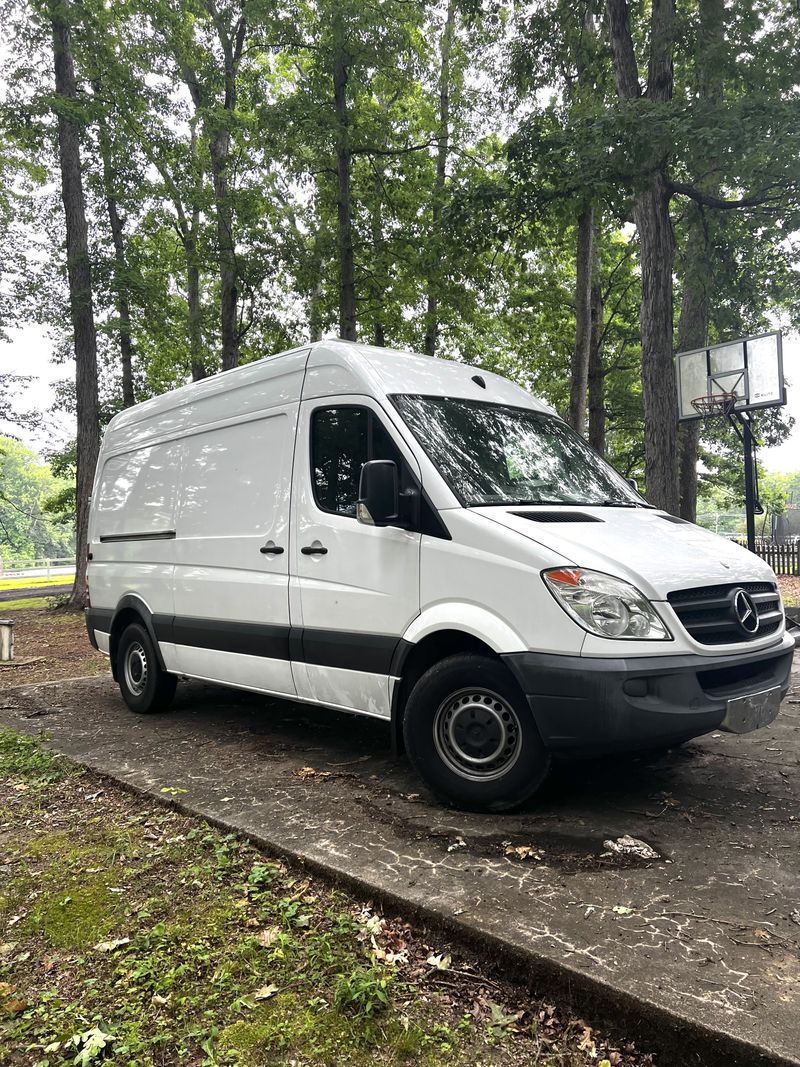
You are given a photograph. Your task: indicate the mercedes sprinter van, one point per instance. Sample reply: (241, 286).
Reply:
(407, 538)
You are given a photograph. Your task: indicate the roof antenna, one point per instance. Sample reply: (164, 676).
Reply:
(479, 380)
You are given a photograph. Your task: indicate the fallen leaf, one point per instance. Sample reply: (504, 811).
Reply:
(440, 962)
(795, 916)
(586, 1043)
(620, 909)
(265, 992)
(311, 772)
(269, 936)
(631, 846)
(12, 1006)
(523, 852)
(158, 999)
(110, 946)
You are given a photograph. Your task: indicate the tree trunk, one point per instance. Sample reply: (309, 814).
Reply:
(596, 377)
(196, 360)
(123, 303)
(344, 207)
(79, 275)
(120, 264)
(579, 368)
(443, 150)
(228, 290)
(692, 333)
(231, 39)
(699, 264)
(656, 240)
(657, 245)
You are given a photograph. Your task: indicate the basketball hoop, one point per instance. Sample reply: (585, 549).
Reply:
(714, 404)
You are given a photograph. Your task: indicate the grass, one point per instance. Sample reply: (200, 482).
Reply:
(20, 605)
(31, 583)
(140, 937)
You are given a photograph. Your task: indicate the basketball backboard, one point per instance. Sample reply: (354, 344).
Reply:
(751, 368)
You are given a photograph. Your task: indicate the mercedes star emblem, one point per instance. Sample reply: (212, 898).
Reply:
(744, 609)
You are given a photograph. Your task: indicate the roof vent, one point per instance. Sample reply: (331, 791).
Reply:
(556, 516)
(479, 380)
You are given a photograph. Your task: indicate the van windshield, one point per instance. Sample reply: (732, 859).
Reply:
(497, 454)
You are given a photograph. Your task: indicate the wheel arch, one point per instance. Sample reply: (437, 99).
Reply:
(413, 659)
(130, 609)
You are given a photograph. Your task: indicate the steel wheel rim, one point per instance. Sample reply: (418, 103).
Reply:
(477, 734)
(135, 668)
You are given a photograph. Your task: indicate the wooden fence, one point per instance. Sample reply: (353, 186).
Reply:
(784, 559)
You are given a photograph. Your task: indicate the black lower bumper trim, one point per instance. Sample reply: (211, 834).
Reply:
(588, 706)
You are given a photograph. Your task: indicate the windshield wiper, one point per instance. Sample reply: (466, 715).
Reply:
(624, 504)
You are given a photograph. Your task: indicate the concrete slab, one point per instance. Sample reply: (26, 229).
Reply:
(698, 950)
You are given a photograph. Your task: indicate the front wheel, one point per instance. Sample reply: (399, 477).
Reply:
(145, 687)
(471, 736)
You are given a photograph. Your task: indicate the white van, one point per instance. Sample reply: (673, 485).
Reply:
(407, 538)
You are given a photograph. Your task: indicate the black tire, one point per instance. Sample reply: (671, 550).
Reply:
(145, 687)
(470, 700)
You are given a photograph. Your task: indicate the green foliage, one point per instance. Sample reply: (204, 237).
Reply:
(27, 528)
(24, 758)
(535, 131)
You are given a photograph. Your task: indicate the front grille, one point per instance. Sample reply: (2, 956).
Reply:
(707, 612)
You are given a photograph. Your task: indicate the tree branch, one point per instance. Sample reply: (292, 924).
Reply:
(707, 200)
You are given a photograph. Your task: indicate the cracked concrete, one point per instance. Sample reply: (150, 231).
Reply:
(698, 950)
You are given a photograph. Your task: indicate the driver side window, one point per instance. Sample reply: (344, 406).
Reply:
(342, 440)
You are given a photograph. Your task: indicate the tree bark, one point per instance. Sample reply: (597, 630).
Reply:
(699, 264)
(579, 367)
(596, 376)
(231, 39)
(121, 297)
(196, 360)
(344, 207)
(442, 152)
(79, 274)
(656, 240)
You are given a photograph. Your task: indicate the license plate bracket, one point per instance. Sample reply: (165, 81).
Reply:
(745, 714)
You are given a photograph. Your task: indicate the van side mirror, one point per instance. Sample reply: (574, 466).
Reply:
(633, 483)
(379, 496)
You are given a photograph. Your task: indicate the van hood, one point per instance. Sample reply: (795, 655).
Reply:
(653, 550)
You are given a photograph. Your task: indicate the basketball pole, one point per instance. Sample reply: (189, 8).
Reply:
(749, 484)
(745, 435)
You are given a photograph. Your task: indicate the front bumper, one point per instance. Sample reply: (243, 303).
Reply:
(586, 706)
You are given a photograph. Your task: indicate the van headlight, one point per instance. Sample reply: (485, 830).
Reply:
(604, 605)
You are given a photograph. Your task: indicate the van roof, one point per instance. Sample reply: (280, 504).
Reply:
(380, 370)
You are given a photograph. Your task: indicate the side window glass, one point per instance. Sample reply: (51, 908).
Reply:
(339, 447)
(342, 440)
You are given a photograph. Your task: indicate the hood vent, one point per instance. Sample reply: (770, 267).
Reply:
(676, 520)
(556, 516)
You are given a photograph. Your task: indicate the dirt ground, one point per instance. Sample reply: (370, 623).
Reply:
(49, 645)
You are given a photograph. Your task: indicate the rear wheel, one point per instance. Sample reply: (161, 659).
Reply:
(470, 734)
(145, 687)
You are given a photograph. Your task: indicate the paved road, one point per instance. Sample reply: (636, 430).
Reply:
(702, 945)
(33, 591)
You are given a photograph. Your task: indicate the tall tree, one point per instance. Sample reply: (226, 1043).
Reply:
(121, 274)
(79, 274)
(341, 61)
(442, 153)
(656, 241)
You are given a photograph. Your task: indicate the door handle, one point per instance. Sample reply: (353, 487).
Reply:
(271, 549)
(315, 549)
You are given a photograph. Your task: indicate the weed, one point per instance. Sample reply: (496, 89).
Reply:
(364, 991)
